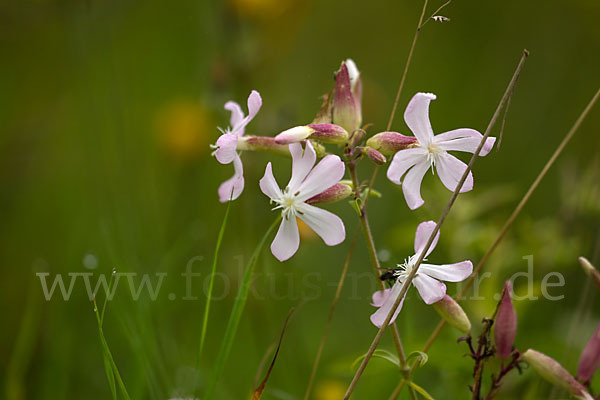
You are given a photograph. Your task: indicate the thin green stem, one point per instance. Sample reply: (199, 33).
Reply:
(211, 283)
(441, 220)
(366, 228)
(517, 211)
(236, 314)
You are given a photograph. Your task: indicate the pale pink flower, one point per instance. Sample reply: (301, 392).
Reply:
(430, 151)
(305, 183)
(226, 147)
(427, 280)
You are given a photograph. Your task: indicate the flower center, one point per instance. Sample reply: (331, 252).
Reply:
(289, 204)
(406, 268)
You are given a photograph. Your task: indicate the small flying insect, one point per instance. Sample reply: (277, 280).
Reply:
(440, 18)
(390, 275)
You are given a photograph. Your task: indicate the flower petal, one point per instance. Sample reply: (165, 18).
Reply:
(269, 185)
(411, 185)
(464, 139)
(287, 240)
(402, 161)
(293, 135)
(237, 115)
(254, 104)
(379, 316)
(431, 290)
(233, 187)
(324, 175)
(424, 230)
(450, 169)
(448, 272)
(417, 117)
(226, 148)
(302, 162)
(379, 297)
(325, 224)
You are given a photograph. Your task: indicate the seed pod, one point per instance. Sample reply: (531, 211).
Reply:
(453, 314)
(505, 326)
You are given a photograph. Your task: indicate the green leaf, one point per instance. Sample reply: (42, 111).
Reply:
(421, 357)
(419, 389)
(356, 204)
(384, 354)
(236, 315)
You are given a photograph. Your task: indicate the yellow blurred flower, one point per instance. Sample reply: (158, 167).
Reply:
(306, 233)
(185, 128)
(260, 9)
(330, 390)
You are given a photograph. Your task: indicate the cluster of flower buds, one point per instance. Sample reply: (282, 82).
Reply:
(505, 329)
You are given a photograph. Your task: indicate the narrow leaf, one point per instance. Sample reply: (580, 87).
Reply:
(419, 389)
(384, 354)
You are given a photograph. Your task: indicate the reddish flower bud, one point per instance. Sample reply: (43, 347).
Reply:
(337, 192)
(390, 143)
(554, 373)
(374, 155)
(590, 358)
(346, 109)
(453, 314)
(505, 326)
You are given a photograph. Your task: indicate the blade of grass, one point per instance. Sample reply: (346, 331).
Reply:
(236, 314)
(110, 375)
(212, 281)
(108, 355)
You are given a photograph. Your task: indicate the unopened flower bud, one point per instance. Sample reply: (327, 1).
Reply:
(262, 143)
(337, 192)
(505, 326)
(374, 155)
(346, 108)
(453, 314)
(590, 358)
(294, 135)
(390, 143)
(554, 373)
(356, 84)
(327, 133)
(589, 270)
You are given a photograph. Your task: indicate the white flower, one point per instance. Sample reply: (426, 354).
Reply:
(226, 147)
(305, 183)
(430, 151)
(426, 281)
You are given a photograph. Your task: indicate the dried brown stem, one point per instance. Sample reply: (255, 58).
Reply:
(331, 312)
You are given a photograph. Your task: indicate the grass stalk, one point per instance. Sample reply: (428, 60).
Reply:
(236, 314)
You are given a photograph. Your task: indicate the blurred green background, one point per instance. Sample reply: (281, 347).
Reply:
(107, 112)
